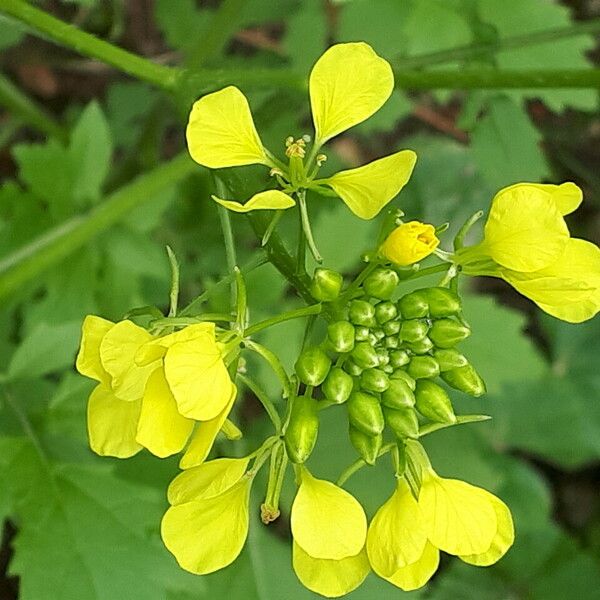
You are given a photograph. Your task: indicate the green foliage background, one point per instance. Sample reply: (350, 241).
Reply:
(77, 527)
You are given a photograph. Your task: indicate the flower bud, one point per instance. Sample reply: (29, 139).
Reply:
(312, 366)
(423, 367)
(413, 305)
(364, 413)
(449, 358)
(340, 336)
(337, 386)
(361, 333)
(326, 285)
(378, 333)
(303, 427)
(413, 330)
(385, 311)
(391, 342)
(383, 357)
(398, 395)
(365, 356)
(409, 243)
(442, 302)
(374, 380)
(362, 312)
(391, 328)
(446, 333)
(465, 379)
(399, 358)
(404, 376)
(367, 446)
(421, 347)
(433, 402)
(387, 369)
(402, 421)
(352, 368)
(381, 283)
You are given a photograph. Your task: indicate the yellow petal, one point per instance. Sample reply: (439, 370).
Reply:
(568, 289)
(416, 575)
(207, 480)
(198, 378)
(459, 518)
(157, 347)
(330, 578)
(88, 360)
(409, 243)
(269, 200)
(204, 437)
(161, 428)
(348, 84)
(117, 352)
(221, 132)
(567, 196)
(112, 424)
(367, 189)
(327, 522)
(208, 534)
(396, 536)
(503, 540)
(525, 231)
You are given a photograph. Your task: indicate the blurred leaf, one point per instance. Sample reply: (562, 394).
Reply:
(386, 118)
(11, 32)
(305, 49)
(506, 146)
(181, 22)
(46, 349)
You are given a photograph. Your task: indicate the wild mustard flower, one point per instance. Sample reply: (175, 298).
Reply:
(527, 243)
(347, 85)
(409, 243)
(329, 527)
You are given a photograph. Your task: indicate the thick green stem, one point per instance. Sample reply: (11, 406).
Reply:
(306, 311)
(31, 260)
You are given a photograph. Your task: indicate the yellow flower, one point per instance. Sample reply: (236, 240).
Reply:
(347, 85)
(207, 524)
(527, 244)
(329, 528)
(410, 243)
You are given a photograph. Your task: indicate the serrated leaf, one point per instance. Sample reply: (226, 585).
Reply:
(506, 145)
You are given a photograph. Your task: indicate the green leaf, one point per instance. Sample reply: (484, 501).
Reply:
(11, 32)
(46, 349)
(181, 22)
(506, 146)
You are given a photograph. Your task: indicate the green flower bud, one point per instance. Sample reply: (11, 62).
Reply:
(391, 328)
(303, 427)
(423, 367)
(352, 368)
(374, 380)
(402, 421)
(382, 356)
(401, 466)
(404, 376)
(413, 305)
(364, 413)
(465, 379)
(326, 285)
(433, 402)
(340, 336)
(362, 312)
(446, 333)
(398, 395)
(312, 366)
(378, 333)
(381, 283)
(413, 330)
(367, 446)
(442, 302)
(337, 386)
(385, 311)
(372, 339)
(399, 358)
(365, 355)
(391, 342)
(387, 369)
(361, 333)
(421, 347)
(449, 359)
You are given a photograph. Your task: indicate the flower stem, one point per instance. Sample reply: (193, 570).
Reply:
(263, 399)
(360, 463)
(462, 232)
(313, 309)
(306, 226)
(274, 363)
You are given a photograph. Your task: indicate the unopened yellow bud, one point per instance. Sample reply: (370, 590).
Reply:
(410, 243)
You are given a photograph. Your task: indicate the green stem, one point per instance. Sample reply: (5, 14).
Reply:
(358, 464)
(279, 461)
(305, 311)
(263, 399)
(29, 112)
(301, 247)
(30, 261)
(306, 228)
(227, 230)
(185, 321)
(274, 363)
(353, 287)
(493, 46)
(174, 294)
(462, 232)
(90, 45)
(427, 271)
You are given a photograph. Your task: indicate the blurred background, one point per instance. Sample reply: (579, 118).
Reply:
(87, 207)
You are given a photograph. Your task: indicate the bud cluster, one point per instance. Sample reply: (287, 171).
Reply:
(381, 358)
